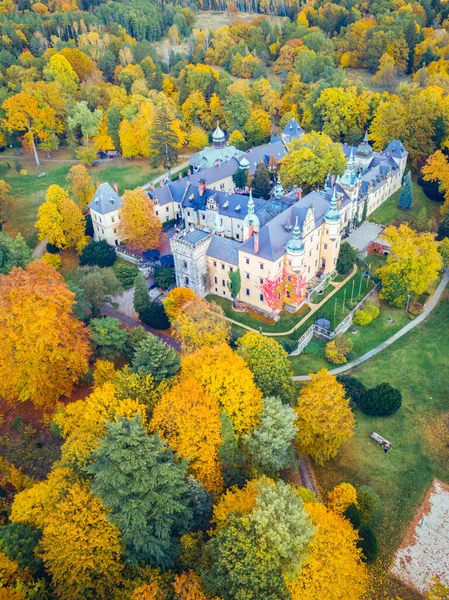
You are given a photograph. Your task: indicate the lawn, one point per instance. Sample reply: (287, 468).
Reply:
(389, 210)
(417, 365)
(28, 191)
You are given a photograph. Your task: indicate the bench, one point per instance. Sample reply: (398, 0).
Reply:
(386, 445)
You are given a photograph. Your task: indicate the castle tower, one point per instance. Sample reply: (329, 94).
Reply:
(350, 181)
(251, 223)
(218, 137)
(278, 190)
(189, 250)
(295, 249)
(330, 246)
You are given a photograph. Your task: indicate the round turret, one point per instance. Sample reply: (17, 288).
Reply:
(332, 214)
(295, 244)
(244, 164)
(218, 138)
(364, 150)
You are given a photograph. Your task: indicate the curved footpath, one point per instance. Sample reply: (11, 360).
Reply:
(419, 319)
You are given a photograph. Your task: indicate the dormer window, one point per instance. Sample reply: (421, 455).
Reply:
(226, 204)
(237, 208)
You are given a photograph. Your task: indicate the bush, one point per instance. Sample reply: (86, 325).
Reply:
(362, 318)
(353, 387)
(381, 401)
(368, 543)
(154, 316)
(416, 308)
(99, 254)
(337, 349)
(289, 345)
(126, 273)
(352, 513)
(54, 260)
(164, 277)
(372, 309)
(370, 505)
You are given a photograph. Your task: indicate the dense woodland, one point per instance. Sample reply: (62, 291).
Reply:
(166, 475)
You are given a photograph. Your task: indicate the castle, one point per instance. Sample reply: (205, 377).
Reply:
(282, 246)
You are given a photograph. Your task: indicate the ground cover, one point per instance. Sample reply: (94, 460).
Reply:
(417, 365)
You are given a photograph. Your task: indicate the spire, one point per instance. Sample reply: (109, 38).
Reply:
(333, 214)
(365, 137)
(278, 190)
(251, 202)
(350, 165)
(296, 230)
(295, 244)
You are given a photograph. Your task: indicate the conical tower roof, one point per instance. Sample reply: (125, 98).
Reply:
(332, 214)
(295, 244)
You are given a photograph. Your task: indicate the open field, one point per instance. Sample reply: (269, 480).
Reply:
(417, 365)
(366, 78)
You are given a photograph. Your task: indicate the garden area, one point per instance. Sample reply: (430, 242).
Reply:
(416, 365)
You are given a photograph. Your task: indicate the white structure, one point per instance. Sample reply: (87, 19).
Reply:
(104, 210)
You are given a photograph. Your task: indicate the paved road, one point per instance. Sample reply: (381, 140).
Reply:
(109, 311)
(419, 319)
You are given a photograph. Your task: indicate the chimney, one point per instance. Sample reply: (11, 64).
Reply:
(201, 186)
(162, 183)
(256, 241)
(115, 187)
(218, 163)
(298, 193)
(152, 188)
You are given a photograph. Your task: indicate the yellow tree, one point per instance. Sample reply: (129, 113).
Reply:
(333, 568)
(61, 72)
(138, 223)
(412, 264)
(325, 420)
(226, 377)
(60, 220)
(81, 547)
(235, 501)
(342, 496)
(197, 137)
(81, 185)
(188, 586)
(103, 141)
(437, 169)
(45, 349)
(340, 111)
(176, 299)
(187, 417)
(200, 324)
(5, 198)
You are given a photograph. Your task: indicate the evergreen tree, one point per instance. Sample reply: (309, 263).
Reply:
(406, 197)
(235, 283)
(261, 183)
(365, 210)
(443, 228)
(163, 139)
(143, 485)
(153, 357)
(113, 119)
(382, 400)
(346, 258)
(99, 254)
(422, 223)
(240, 178)
(141, 300)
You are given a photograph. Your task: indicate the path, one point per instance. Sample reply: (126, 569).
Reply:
(126, 320)
(41, 160)
(164, 175)
(306, 474)
(40, 249)
(419, 319)
(313, 307)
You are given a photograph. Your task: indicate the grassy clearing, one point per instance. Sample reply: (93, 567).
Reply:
(366, 78)
(417, 365)
(389, 210)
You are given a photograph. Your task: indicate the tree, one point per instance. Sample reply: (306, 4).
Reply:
(113, 118)
(201, 323)
(258, 126)
(164, 277)
(234, 283)
(438, 591)
(412, 264)
(437, 169)
(443, 228)
(368, 543)
(443, 249)
(269, 447)
(176, 300)
(141, 298)
(164, 139)
(153, 357)
(237, 139)
(103, 142)
(240, 178)
(382, 400)
(226, 378)
(269, 364)
(340, 111)
(406, 197)
(19, 541)
(354, 388)
(310, 160)
(155, 317)
(187, 417)
(45, 349)
(421, 223)
(261, 182)
(60, 71)
(197, 137)
(88, 121)
(341, 497)
(5, 198)
(60, 221)
(325, 420)
(81, 185)
(337, 349)
(81, 547)
(139, 224)
(346, 258)
(93, 287)
(99, 254)
(14, 252)
(369, 504)
(236, 110)
(386, 74)
(333, 568)
(108, 336)
(188, 586)
(143, 485)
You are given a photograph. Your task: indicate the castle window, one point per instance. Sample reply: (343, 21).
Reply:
(167, 208)
(325, 246)
(223, 282)
(203, 217)
(288, 294)
(247, 261)
(215, 280)
(224, 292)
(222, 266)
(261, 297)
(237, 236)
(248, 291)
(184, 264)
(308, 270)
(99, 218)
(231, 269)
(261, 266)
(188, 213)
(317, 246)
(261, 280)
(310, 252)
(102, 231)
(289, 263)
(115, 230)
(215, 263)
(222, 185)
(186, 280)
(327, 231)
(216, 289)
(247, 275)
(316, 262)
(113, 219)
(157, 212)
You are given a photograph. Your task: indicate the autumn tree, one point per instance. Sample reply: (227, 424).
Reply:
(269, 364)
(153, 357)
(145, 488)
(60, 221)
(310, 160)
(258, 126)
(199, 324)
(261, 182)
(5, 198)
(188, 586)
(437, 169)
(187, 417)
(341, 497)
(226, 378)
(175, 301)
(14, 252)
(324, 419)
(81, 185)
(45, 349)
(341, 111)
(60, 71)
(81, 547)
(139, 224)
(412, 264)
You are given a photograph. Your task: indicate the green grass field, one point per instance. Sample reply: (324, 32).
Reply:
(389, 210)
(417, 365)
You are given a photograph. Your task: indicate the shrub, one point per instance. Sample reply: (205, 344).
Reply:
(164, 277)
(342, 496)
(415, 308)
(381, 401)
(372, 309)
(362, 318)
(352, 513)
(289, 345)
(126, 273)
(99, 254)
(368, 543)
(155, 316)
(353, 387)
(370, 505)
(337, 349)
(23, 172)
(53, 260)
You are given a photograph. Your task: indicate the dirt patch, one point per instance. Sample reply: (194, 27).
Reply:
(424, 553)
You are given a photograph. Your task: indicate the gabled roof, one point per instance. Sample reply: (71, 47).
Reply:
(292, 130)
(105, 200)
(224, 249)
(395, 148)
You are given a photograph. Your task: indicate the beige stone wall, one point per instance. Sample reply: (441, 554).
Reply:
(106, 226)
(219, 277)
(168, 211)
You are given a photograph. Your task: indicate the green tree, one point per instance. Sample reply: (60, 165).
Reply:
(269, 364)
(368, 543)
(261, 183)
(235, 283)
(230, 455)
(155, 316)
(240, 178)
(236, 110)
(99, 254)
(164, 140)
(141, 299)
(93, 287)
(113, 119)
(406, 197)
(19, 541)
(443, 227)
(143, 485)
(154, 357)
(382, 400)
(421, 222)
(14, 252)
(164, 277)
(346, 258)
(365, 209)
(108, 336)
(88, 121)
(353, 387)
(270, 446)
(443, 249)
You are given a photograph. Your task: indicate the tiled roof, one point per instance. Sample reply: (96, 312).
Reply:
(194, 235)
(263, 153)
(105, 200)
(224, 249)
(209, 156)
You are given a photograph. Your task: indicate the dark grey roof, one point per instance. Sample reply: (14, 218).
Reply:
(395, 148)
(194, 235)
(348, 149)
(105, 199)
(227, 204)
(226, 169)
(163, 195)
(263, 153)
(292, 130)
(224, 249)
